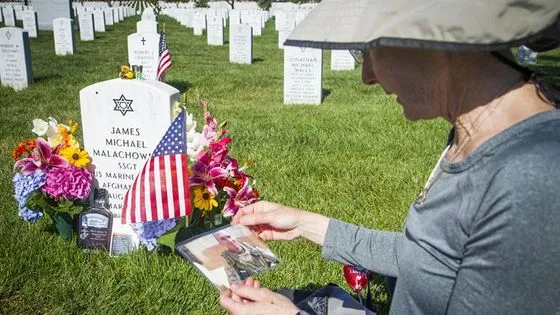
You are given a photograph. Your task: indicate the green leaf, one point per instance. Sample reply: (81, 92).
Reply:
(168, 239)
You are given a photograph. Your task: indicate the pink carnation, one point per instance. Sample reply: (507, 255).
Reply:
(68, 182)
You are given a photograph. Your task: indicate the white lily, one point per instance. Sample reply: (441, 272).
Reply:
(40, 127)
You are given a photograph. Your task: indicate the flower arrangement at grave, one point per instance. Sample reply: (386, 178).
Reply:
(128, 72)
(52, 175)
(219, 185)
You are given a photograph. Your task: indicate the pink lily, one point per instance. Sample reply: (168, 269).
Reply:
(219, 149)
(238, 199)
(205, 172)
(41, 158)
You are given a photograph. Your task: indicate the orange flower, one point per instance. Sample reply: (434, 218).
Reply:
(22, 148)
(255, 193)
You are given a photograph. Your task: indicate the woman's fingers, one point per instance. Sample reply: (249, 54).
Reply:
(253, 294)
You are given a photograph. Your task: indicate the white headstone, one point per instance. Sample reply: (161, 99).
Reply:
(9, 16)
(30, 23)
(87, 30)
(63, 37)
(234, 17)
(279, 20)
(240, 44)
(215, 32)
(116, 15)
(300, 15)
(99, 21)
(143, 50)
(146, 26)
(285, 31)
(303, 70)
(121, 13)
(15, 58)
(342, 60)
(254, 20)
(199, 23)
(109, 19)
(48, 10)
(123, 121)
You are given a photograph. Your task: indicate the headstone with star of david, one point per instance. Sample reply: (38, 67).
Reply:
(30, 24)
(143, 50)
(87, 29)
(9, 16)
(15, 58)
(63, 37)
(99, 20)
(123, 121)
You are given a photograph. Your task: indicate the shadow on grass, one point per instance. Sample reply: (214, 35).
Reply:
(45, 78)
(257, 60)
(180, 85)
(325, 94)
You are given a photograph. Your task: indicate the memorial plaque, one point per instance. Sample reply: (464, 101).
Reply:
(87, 30)
(99, 21)
(95, 225)
(143, 50)
(9, 16)
(48, 10)
(342, 60)
(147, 26)
(30, 23)
(122, 122)
(63, 37)
(15, 58)
(240, 44)
(109, 19)
(215, 32)
(303, 69)
(124, 239)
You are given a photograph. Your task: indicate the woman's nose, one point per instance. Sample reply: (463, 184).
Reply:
(368, 75)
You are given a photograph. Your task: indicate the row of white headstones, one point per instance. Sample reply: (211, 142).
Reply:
(15, 56)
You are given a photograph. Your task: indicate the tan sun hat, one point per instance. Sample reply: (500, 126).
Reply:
(474, 25)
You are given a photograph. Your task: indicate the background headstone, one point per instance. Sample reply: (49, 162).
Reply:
(342, 60)
(30, 25)
(48, 10)
(9, 16)
(87, 30)
(215, 31)
(15, 58)
(99, 21)
(123, 121)
(303, 72)
(240, 44)
(199, 23)
(146, 26)
(63, 37)
(143, 49)
(109, 19)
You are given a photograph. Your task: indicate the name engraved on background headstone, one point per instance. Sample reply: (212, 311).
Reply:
(303, 69)
(87, 31)
(99, 21)
(9, 16)
(48, 10)
(63, 37)
(215, 32)
(342, 60)
(122, 121)
(15, 58)
(240, 44)
(143, 50)
(29, 18)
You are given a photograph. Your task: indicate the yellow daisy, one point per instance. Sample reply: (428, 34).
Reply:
(203, 199)
(76, 156)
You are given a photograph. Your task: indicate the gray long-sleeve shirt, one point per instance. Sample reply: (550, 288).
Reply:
(486, 240)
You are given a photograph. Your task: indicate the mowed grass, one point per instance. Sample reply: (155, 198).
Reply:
(354, 157)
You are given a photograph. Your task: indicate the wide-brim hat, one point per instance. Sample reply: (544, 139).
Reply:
(458, 25)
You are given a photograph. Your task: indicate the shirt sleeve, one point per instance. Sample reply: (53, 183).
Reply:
(511, 260)
(371, 249)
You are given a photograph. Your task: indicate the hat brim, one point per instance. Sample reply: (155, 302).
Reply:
(466, 25)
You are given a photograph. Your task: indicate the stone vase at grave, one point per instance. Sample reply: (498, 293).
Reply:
(215, 31)
(9, 16)
(99, 21)
(143, 50)
(87, 30)
(63, 37)
(122, 122)
(15, 58)
(342, 60)
(303, 72)
(240, 44)
(30, 23)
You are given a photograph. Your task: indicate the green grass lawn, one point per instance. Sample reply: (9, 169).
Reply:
(354, 157)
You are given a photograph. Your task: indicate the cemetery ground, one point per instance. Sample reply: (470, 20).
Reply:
(354, 157)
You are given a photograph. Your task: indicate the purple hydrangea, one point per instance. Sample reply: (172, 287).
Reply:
(24, 185)
(148, 232)
(68, 182)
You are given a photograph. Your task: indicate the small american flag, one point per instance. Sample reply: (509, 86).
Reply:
(164, 57)
(161, 190)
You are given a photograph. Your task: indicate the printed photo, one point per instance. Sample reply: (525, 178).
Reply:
(228, 255)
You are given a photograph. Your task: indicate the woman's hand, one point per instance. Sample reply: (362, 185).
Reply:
(250, 300)
(272, 221)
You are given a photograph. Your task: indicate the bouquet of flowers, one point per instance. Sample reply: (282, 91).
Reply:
(219, 186)
(52, 175)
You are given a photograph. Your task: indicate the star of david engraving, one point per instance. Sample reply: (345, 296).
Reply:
(123, 105)
(8, 35)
